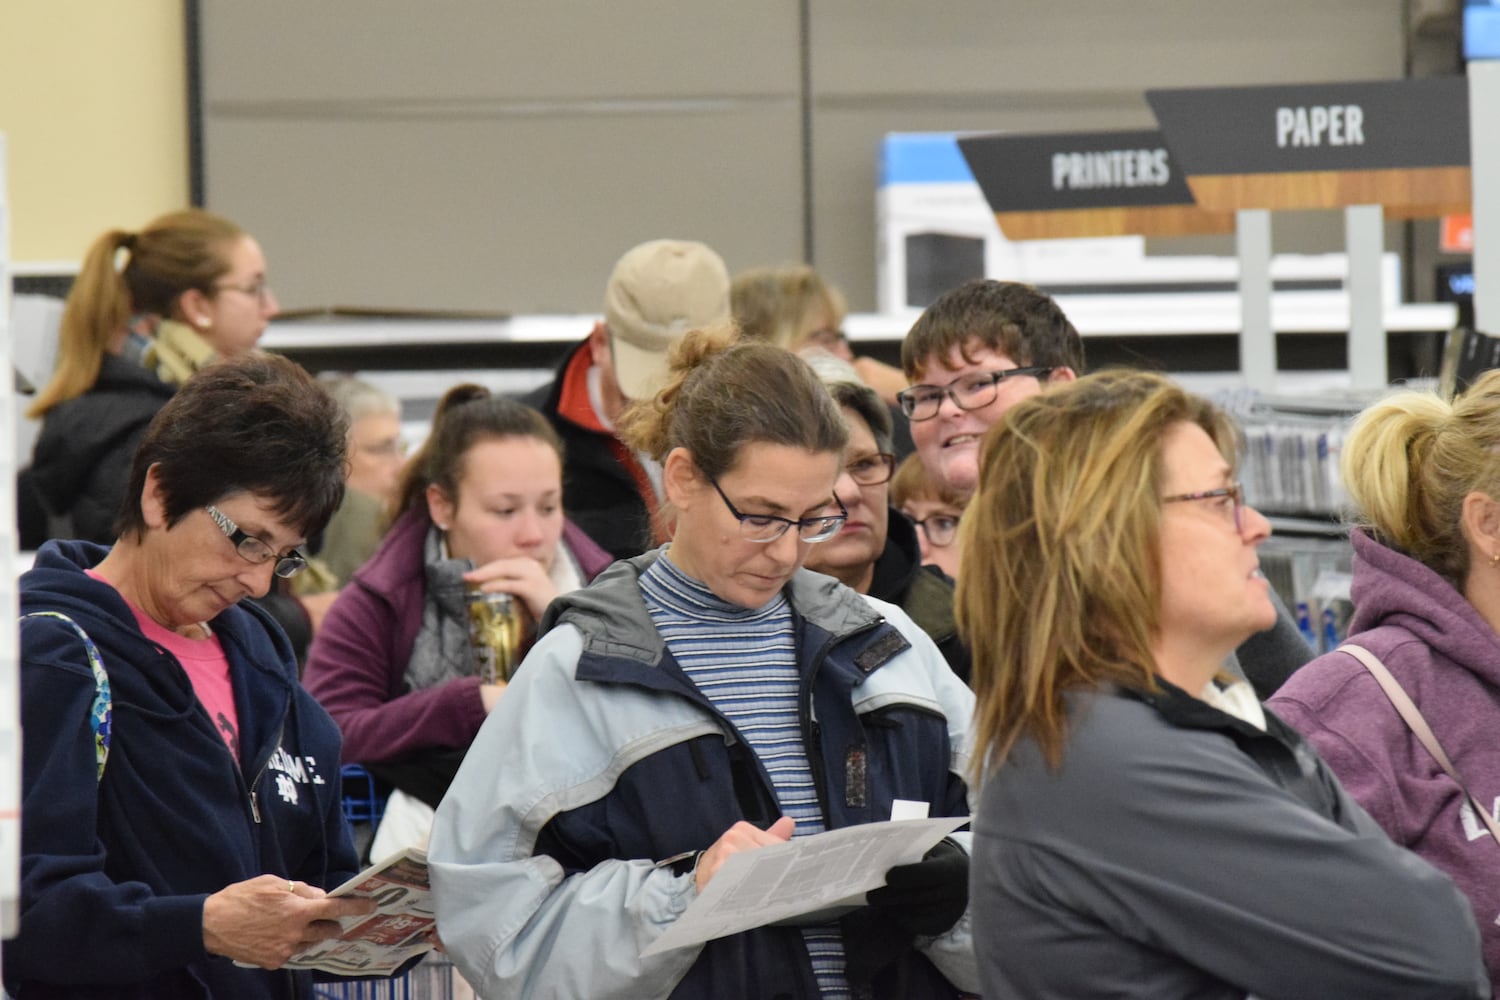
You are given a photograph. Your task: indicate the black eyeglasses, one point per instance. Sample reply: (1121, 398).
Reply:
(939, 528)
(769, 527)
(968, 392)
(872, 470)
(257, 288)
(254, 550)
(1234, 494)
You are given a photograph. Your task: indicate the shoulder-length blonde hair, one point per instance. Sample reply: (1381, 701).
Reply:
(1063, 587)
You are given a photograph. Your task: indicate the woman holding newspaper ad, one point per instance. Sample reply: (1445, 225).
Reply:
(180, 814)
(704, 699)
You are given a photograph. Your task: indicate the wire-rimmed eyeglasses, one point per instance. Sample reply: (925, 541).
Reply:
(829, 338)
(1234, 494)
(968, 392)
(769, 527)
(260, 289)
(252, 549)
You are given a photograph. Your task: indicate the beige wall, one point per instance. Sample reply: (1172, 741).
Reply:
(500, 156)
(93, 105)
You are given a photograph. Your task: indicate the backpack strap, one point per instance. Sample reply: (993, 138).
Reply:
(103, 706)
(1412, 716)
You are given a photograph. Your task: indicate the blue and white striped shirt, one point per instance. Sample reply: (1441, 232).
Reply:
(744, 660)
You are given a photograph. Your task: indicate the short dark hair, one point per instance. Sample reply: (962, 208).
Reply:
(258, 424)
(866, 402)
(1018, 320)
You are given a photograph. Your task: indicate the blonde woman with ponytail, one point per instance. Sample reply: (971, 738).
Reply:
(1424, 475)
(704, 699)
(146, 310)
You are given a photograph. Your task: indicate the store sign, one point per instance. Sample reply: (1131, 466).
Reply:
(1399, 143)
(1334, 126)
(1456, 233)
(1077, 177)
(1074, 170)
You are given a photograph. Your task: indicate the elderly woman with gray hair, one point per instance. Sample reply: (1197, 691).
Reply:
(376, 457)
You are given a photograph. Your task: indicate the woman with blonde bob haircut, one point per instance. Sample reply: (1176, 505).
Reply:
(1145, 827)
(1424, 474)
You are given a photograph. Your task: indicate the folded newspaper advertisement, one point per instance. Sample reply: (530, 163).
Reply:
(379, 943)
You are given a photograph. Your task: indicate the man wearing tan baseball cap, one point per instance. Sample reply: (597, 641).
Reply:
(657, 292)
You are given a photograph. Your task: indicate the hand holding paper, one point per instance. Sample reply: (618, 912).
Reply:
(778, 882)
(740, 837)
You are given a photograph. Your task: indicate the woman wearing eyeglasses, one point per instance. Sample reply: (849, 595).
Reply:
(933, 508)
(1424, 475)
(189, 286)
(792, 306)
(180, 814)
(704, 699)
(1145, 827)
(876, 552)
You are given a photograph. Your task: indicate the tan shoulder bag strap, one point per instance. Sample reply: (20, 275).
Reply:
(1408, 709)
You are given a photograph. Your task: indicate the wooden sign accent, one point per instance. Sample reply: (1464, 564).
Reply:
(1164, 220)
(1069, 184)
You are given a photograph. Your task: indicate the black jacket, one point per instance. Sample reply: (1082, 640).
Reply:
(115, 869)
(81, 463)
(599, 493)
(924, 592)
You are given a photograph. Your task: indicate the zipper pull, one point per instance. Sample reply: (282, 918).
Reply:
(254, 805)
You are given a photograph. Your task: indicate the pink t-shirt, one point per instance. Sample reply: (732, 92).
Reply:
(207, 668)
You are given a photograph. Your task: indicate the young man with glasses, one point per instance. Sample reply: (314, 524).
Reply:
(980, 349)
(973, 354)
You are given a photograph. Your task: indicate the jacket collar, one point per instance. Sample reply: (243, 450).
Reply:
(57, 582)
(617, 626)
(899, 561)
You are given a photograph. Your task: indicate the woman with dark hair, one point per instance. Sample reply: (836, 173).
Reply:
(703, 699)
(479, 507)
(180, 791)
(1145, 827)
(876, 551)
(191, 288)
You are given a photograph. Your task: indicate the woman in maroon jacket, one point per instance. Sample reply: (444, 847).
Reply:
(480, 507)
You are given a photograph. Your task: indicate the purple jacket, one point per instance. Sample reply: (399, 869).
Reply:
(358, 658)
(1448, 659)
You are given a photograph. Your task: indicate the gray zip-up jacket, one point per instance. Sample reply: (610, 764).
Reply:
(1180, 852)
(603, 759)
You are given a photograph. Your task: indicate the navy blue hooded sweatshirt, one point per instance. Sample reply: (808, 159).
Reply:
(115, 869)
